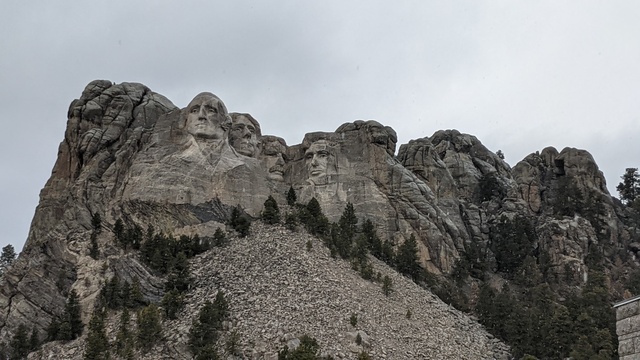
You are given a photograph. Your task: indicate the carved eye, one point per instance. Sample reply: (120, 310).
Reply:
(251, 129)
(212, 109)
(308, 156)
(194, 109)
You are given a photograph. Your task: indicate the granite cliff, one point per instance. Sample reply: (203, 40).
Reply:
(129, 153)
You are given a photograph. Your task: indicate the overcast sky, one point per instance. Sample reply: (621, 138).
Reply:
(519, 75)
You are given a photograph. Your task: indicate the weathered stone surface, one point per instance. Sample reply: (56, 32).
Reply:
(278, 291)
(452, 165)
(131, 154)
(538, 179)
(627, 310)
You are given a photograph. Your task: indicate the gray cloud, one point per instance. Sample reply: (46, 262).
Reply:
(518, 76)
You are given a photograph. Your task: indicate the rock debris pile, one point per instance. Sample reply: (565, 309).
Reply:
(278, 291)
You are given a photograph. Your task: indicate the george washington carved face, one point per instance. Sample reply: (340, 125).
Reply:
(207, 117)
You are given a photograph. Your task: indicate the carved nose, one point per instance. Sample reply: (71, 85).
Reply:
(280, 160)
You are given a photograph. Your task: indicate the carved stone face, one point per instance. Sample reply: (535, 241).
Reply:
(382, 136)
(316, 159)
(273, 157)
(206, 117)
(243, 136)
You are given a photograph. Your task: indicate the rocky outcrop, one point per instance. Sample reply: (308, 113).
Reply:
(104, 129)
(130, 154)
(547, 178)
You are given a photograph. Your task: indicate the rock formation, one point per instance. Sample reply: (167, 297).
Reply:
(129, 153)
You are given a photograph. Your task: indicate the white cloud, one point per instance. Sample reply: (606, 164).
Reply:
(520, 76)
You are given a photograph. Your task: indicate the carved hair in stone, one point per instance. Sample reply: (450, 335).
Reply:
(273, 156)
(244, 134)
(205, 118)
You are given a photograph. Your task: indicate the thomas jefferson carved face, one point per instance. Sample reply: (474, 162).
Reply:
(206, 117)
(273, 156)
(244, 135)
(316, 159)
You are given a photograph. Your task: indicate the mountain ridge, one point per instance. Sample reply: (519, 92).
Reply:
(130, 154)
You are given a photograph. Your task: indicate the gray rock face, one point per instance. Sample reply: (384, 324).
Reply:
(129, 153)
(104, 129)
(452, 165)
(539, 179)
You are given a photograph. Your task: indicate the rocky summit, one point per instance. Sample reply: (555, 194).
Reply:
(132, 160)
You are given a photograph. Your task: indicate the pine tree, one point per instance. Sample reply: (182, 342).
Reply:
(71, 324)
(307, 350)
(560, 334)
(219, 238)
(94, 250)
(569, 199)
(387, 285)
(111, 293)
(313, 218)
(172, 302)
(489, 187)
(407, 261)
(7, 257)
(388, 254)
(291, 196)
(149, 327)
(53, 329)
(34, 339)
(629, 188)
(374, 242)
(4, 351)
(291, 221)
(124, 339)
(179, 278)
(209, 352)
(96, 346)
(240, 222)
(347, 230)
(582, 349)
(512, 241)
(118, 231)
(20, 343)
(235, 216)
(137, 299)
(96, 223)
(271, 212)
(204, 330)
(528, 274)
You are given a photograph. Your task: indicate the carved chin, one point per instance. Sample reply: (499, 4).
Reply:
(246, 150)
(276, 175)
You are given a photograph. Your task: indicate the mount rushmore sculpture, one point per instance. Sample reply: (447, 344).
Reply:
(129, 153)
